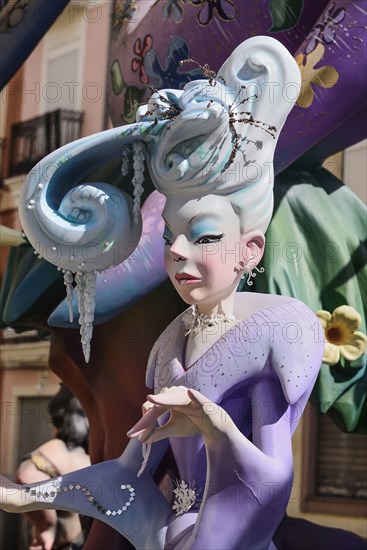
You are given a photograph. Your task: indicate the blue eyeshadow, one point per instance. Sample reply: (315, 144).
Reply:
(208, 227)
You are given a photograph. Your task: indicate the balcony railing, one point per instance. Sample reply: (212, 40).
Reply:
(33, 139)
(9, 336)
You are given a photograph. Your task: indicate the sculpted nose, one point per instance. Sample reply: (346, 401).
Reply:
(179, 248)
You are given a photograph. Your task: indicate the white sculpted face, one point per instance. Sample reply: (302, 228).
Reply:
(204, 248)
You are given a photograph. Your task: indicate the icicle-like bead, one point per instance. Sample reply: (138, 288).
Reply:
(126, 153)
(138, 179)
(68, 282)
(86, 288)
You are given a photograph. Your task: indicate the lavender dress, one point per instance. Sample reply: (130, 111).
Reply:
(261, 372)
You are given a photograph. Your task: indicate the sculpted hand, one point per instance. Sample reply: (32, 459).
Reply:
(10, 495)
(151, 413)
(177, 424)
(191, 413)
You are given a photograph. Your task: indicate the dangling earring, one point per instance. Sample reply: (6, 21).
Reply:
(246, 268)
(251, 274)
(242, 268)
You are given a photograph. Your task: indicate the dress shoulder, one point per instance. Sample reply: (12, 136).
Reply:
(296, 346)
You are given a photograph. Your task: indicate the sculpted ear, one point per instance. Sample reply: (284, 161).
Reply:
(253, 246)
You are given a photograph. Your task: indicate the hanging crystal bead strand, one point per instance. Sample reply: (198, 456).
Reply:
(68, 282)
(89, 307)
(86, 288)
(138, 179)
(126, 153)
(80, 286)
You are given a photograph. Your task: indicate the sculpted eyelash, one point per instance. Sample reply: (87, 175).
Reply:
(214, 238)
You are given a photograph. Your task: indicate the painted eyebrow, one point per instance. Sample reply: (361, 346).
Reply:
(200, 214)
(205, 214)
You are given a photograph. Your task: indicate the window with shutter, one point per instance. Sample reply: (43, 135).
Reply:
(334, 476)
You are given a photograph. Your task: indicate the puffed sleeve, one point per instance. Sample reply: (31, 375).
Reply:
(296, 349)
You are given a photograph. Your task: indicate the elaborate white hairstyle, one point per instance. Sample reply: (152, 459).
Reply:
(217, 135)
(223, 131)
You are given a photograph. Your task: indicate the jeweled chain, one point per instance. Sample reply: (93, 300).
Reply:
(77, 487)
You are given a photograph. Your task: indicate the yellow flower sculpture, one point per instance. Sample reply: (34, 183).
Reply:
(341, 336)
(326, 77)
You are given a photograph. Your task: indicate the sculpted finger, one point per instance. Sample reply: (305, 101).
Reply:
(198, 397)
(146, 407)
(157, 434)
(176, 395)
(178, 425)
(147, 420)
(198, 405)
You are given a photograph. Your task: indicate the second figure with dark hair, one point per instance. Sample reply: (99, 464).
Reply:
(67, 452)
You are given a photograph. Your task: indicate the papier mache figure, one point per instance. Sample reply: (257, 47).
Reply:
(233, 373)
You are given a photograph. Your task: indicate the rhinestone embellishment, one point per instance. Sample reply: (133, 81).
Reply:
(185, 497)
(90, 497)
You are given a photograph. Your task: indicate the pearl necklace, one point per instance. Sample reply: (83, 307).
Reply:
(196, 322)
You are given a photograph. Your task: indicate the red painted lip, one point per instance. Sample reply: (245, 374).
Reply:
(185, 276)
